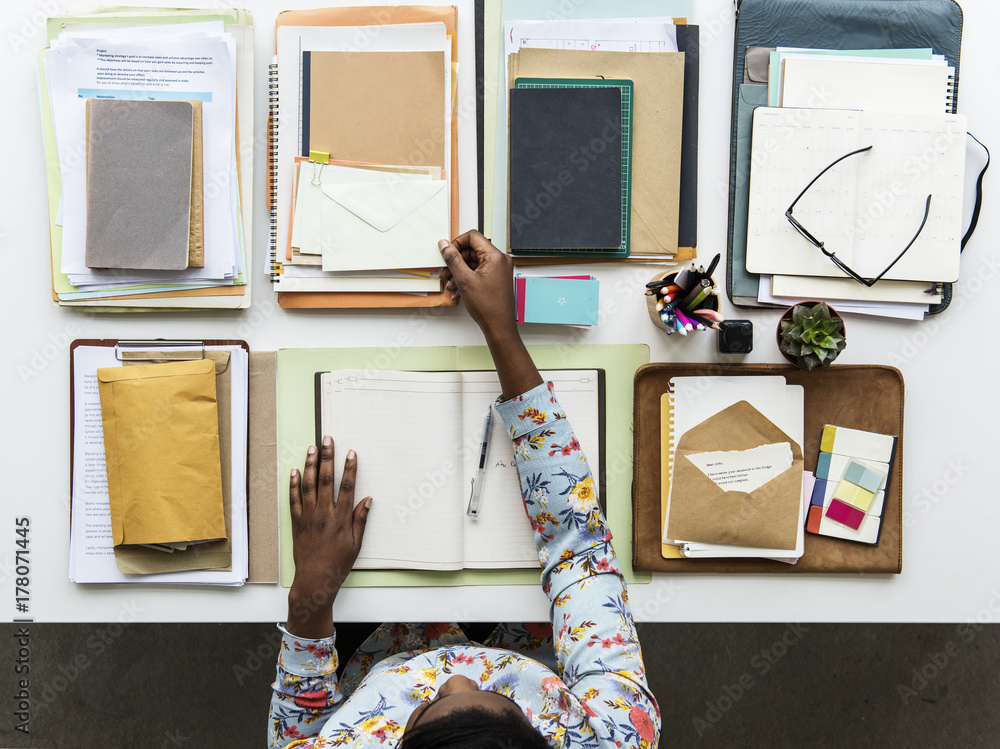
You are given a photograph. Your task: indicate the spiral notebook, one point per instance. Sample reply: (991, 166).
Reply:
(884, 86)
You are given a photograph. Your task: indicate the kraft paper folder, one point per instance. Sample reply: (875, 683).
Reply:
(367, 16)
(831, 397)
(262, 497)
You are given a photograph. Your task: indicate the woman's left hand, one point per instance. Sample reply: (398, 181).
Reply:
(326, 538)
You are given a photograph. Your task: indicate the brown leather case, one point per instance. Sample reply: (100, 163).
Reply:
(857, 396)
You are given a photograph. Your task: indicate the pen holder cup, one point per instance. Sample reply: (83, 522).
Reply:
(710, 302)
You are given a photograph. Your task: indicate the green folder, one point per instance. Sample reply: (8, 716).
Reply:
(296, 369)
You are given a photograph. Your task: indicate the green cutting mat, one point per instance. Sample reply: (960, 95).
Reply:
(296, 431)
(625, 87)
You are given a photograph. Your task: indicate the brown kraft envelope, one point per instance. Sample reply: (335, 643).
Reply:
(214, 555)
(700, 510)
(162, 448)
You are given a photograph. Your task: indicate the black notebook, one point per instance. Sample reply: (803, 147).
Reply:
(565, 169)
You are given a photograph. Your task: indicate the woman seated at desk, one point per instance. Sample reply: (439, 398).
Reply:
(427, 685)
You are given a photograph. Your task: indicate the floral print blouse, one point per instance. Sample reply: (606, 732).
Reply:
(580, 681)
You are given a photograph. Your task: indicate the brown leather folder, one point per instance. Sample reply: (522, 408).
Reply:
(865, 397)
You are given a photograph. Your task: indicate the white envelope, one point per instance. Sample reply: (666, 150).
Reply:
(393, 224)
(306, 228)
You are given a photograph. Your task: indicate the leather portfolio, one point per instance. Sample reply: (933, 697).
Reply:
(867, 397)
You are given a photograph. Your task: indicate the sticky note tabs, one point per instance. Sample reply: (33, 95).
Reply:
(863, 476)
(845, 514)
(858, 444)
(863, 499)
(818, 493)
(846, 492)
(814, 519)
(823, 466)
(829, 435)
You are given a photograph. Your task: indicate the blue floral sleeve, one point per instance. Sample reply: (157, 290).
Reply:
(597, 649)
(305, 691)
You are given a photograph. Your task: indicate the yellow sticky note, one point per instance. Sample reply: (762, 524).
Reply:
(829, 434)
(863, 500)
(847, 492)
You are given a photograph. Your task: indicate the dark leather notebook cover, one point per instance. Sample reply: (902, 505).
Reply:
(687, 219)
(839, 24)
(856, 396)
(565, 169)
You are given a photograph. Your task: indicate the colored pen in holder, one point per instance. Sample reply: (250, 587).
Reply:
(684, 301)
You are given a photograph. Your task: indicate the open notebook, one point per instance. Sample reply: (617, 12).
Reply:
(417, 436)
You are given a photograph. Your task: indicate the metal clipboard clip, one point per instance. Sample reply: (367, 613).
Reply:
(138, 346)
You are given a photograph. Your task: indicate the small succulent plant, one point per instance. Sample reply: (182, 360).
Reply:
(813, 337)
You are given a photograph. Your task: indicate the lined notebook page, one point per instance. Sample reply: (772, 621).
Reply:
(501, 537)
(405, 430)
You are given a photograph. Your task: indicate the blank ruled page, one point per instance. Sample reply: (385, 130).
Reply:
(501, 537)
(406, 430)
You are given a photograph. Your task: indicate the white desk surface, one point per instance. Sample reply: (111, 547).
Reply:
(950, 501)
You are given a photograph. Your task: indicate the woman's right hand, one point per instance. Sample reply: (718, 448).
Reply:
(483, 276)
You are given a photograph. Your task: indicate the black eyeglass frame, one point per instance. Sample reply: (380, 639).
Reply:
(807, 235)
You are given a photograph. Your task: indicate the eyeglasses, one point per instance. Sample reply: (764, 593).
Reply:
(832, 255)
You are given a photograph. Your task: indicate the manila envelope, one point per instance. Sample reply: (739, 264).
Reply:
(378, 107)
(658, 78)
(161, 442)
(214, 555)
(702, 511)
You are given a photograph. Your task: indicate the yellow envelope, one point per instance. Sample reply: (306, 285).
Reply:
(700, 510)
(161, 443)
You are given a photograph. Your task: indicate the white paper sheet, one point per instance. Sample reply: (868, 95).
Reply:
(76, 72)
(744, 470)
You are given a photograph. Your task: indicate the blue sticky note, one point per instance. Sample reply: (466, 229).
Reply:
(819, 493)
(823, 466)
(863, 476)
(561, 300)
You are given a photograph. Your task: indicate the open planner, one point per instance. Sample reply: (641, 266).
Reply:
(418, 436)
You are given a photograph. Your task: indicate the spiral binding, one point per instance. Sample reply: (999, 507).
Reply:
(272, 168)
(667, 419)
(952, 98)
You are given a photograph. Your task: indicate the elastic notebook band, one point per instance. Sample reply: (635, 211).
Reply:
(979, 195)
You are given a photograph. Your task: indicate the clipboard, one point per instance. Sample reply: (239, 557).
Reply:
(261, 481)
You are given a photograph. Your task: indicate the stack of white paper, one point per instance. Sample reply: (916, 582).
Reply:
(152, 56)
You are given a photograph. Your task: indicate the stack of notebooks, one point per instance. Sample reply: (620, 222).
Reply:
(365, 153)
(732, 467)
(159, 465)
(591, 152)
(799, 111)
(149, 181)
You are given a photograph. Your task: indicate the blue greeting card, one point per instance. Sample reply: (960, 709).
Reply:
(561, 300)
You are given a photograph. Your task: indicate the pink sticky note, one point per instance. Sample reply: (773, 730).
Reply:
(845, 514)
